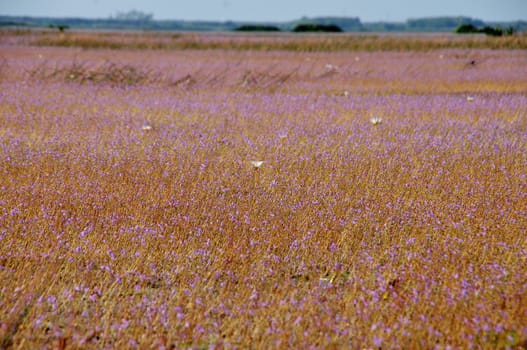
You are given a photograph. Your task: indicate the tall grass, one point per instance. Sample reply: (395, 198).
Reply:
(339, 43)
(134, 216)
(283, 42)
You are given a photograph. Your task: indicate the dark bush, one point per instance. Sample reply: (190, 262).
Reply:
(257, 28)
(466, 28)
(60, 27)
(492, 31)
(327, 28)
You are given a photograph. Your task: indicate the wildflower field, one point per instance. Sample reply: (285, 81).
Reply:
(262, 191)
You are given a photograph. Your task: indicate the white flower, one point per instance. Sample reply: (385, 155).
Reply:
(324, 281)
(256, 163)
(375, 120)
(470, 98)
(327, 280)
(146, 127)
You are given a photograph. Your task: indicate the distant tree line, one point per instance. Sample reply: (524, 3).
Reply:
(257, 28)
(315, 27)
(137, 20)
(300, 28)
(493, 31)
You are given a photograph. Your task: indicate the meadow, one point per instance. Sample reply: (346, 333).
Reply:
(310, 192)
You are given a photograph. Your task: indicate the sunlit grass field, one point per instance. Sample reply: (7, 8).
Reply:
(265, 197)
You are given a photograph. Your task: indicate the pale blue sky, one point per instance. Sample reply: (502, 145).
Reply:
(272, 10)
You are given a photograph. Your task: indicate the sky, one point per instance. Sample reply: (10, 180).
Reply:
(272, 10)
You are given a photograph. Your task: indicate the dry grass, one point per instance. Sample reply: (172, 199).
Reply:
(131, 215)
(264, 42)
(105, 73)
(288, 43)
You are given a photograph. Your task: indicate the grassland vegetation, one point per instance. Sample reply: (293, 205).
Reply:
(284, 198)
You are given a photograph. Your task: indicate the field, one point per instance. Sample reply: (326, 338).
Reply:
(234, 191)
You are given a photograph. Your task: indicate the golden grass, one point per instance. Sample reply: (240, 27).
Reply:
(266, 42)
(404, 234)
